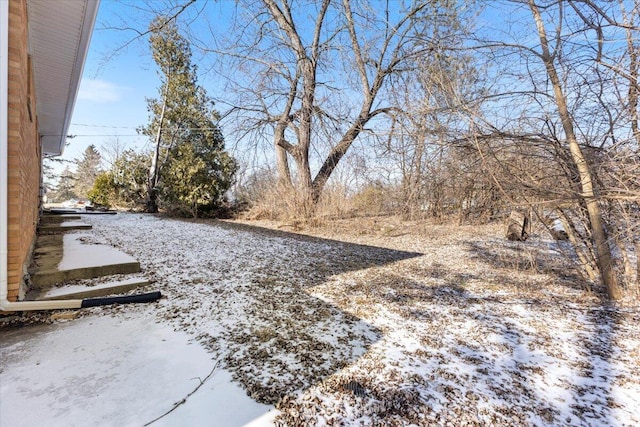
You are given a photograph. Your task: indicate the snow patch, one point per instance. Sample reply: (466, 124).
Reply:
(77, 254)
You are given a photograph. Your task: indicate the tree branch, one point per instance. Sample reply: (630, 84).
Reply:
(184, 400)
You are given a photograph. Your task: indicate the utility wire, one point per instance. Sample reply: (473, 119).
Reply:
(102, 126)
(130, 127)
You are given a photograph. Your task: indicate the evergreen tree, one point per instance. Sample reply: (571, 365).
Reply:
(187, 140)
(87, 169)
(199, 174)
(124, 184)
(66, 184)
(51, 177)
(129, 172)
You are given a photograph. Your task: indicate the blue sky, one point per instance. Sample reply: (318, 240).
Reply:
(111, 98)
(119, 74)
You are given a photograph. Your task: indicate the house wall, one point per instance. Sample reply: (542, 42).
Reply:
(24, 153)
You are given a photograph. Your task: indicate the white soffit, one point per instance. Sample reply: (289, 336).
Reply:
(59, 35)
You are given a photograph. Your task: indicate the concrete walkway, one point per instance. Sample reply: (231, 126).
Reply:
(114, 371)
(63, 257)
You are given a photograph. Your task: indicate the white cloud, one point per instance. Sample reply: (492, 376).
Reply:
(100, 91)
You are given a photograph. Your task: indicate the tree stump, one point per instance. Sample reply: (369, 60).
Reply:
(517, 226)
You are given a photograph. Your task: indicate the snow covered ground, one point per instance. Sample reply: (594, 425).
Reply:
(424, 325)
(115, 371)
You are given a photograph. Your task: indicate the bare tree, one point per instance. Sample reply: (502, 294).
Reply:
(426, 142)
(560, 108)
(316, 85)
(604, 258)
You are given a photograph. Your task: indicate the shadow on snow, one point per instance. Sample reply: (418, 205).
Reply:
(286, 339)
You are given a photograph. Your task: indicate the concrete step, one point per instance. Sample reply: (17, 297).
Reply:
(62, 227)
(76, 260)
(84, 291)
(48, 242)
(47, 278)
(57, 219)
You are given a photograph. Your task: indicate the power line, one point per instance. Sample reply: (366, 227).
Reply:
(129, 127)
(102, 126)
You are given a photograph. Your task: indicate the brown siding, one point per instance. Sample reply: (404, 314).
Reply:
(24, 153)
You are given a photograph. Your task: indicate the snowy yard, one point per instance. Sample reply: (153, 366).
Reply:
(372, 325)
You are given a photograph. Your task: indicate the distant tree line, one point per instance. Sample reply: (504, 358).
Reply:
(74, 184)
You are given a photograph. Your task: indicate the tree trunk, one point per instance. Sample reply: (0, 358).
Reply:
(307, 201)
(633, 77)
(152, 201)
(637, 247)
(336, 154)
(584, 255)
(282, 165)
(154, 169)
(604, 258)
(281, 144)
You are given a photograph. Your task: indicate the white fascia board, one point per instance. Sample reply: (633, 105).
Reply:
(90, 13)
(59, 37)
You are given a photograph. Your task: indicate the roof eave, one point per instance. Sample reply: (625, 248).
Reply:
(53, 131)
